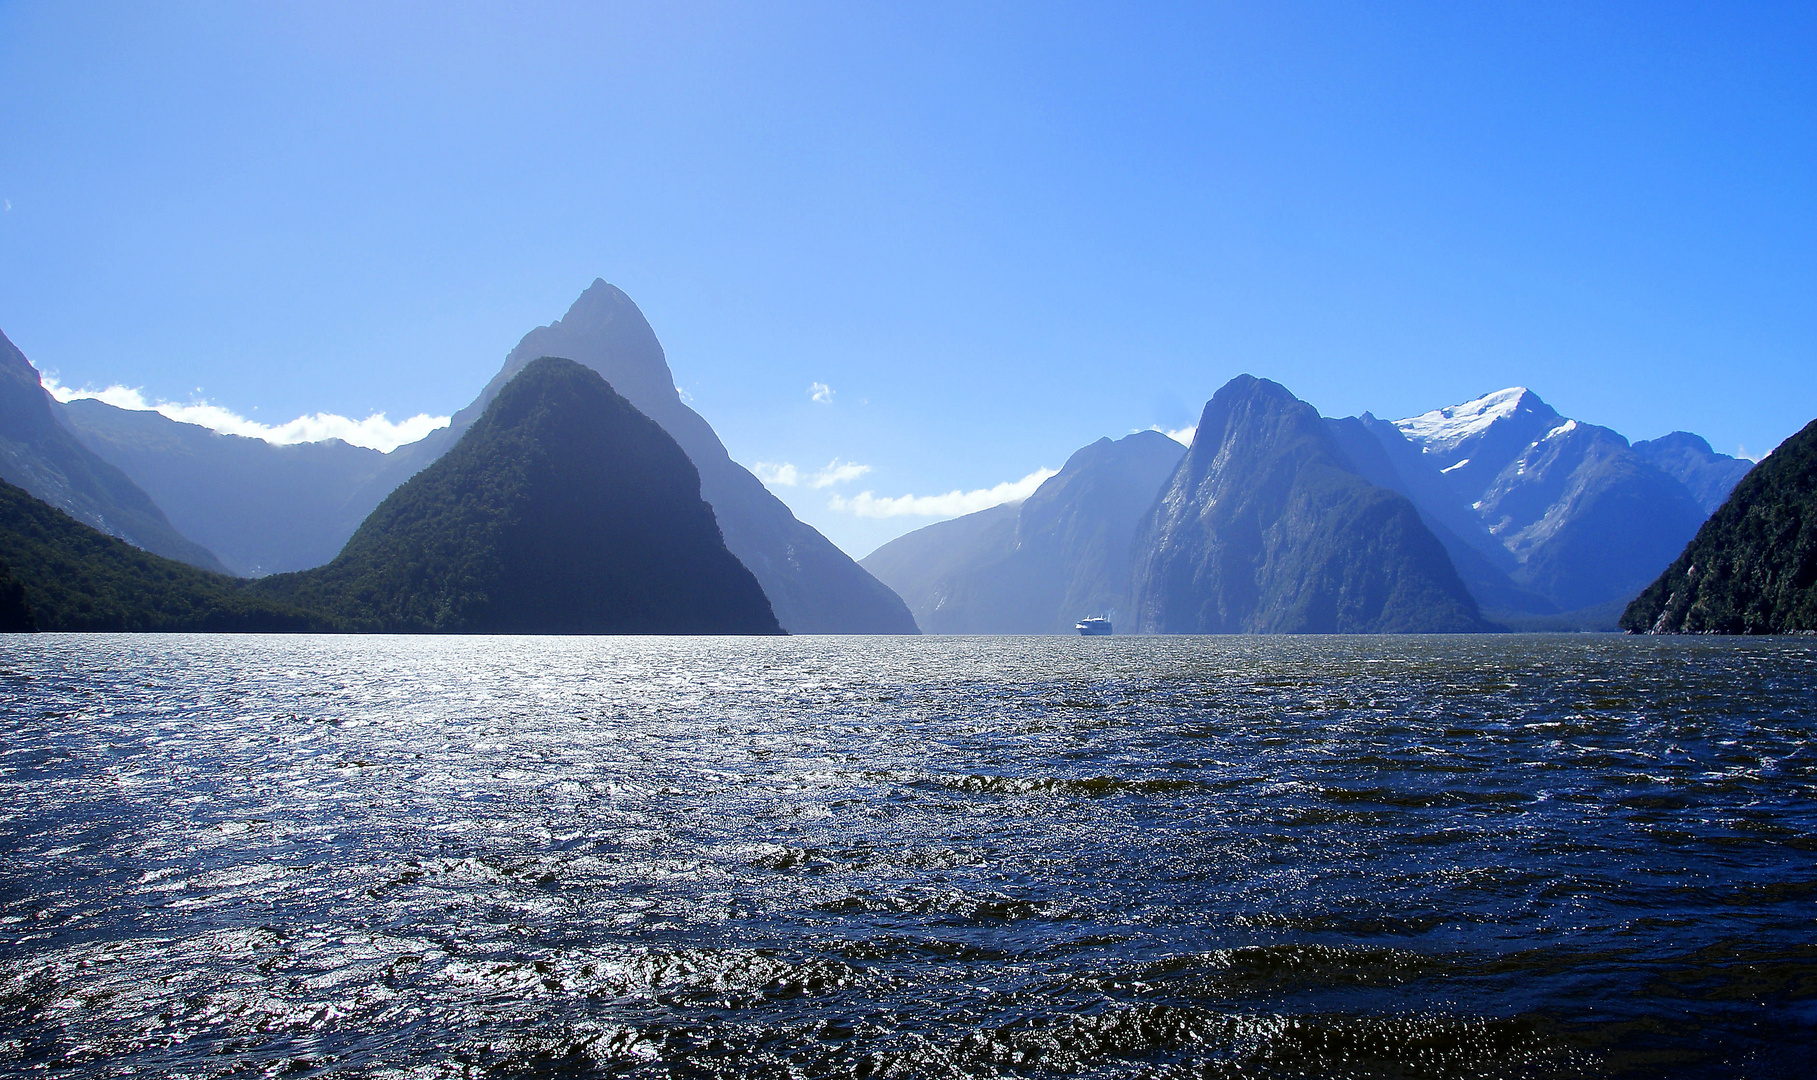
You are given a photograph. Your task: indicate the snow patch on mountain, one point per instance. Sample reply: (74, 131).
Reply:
(1444, 429)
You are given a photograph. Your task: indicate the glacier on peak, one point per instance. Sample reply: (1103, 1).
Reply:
(1444, 429)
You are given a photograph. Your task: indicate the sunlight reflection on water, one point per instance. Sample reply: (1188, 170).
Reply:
(1476, 856)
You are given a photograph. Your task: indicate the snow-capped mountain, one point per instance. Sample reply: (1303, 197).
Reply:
(1585, 518)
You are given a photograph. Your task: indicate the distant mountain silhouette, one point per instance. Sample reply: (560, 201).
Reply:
(263, 509)
(1266, 527)
(38, 455)
(1380, 454)
(1037, 566)
(561, 510)
(67, 576)
(1752, 568)
(1687, 458)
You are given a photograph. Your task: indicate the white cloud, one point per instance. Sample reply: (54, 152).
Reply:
(953, 504)
(821, 392)
(784, 474)
(1183, 436)
(375, 431)
(837, 472)
(787, 475)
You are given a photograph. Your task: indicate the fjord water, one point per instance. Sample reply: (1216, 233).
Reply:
(1410, 856)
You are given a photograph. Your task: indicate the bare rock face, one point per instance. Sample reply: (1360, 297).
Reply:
(1266, 527)
(1752, 568)
(1038, 566)
(39, 455)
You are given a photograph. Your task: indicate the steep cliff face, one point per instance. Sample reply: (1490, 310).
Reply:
(1265, 528)
(1380, 454)
(943, 572)
(814, 587)
(561, 510)
(40, 456)
(1752, 568)
(1039, 566)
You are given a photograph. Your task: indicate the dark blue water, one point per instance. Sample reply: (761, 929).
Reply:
(1421, 857)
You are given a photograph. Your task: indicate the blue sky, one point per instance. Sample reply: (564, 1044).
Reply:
(995, 232)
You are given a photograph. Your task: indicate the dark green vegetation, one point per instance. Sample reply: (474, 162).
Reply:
(67, 576)
(39, 455)
(562, 509)
(15, 610)
(1038, 567)
(1752, 568)
(267, 509)
(1265, 528)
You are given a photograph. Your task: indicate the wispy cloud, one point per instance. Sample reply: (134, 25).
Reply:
(953, 504)
(375, 431)
(787, 475)
(783, 475)
(1183, 436)
(821, 392)
(838, 472)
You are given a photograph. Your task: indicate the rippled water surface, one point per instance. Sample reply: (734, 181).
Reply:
(1448, 857)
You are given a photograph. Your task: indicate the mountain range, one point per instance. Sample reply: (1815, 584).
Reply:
(269, 509)
(1547, 523)
(39, 455)
(1264, 527)
(562, 509)
(1494, 512)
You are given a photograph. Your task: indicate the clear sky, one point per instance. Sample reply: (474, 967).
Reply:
(995, 232)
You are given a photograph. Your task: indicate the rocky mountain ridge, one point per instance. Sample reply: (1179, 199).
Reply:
(1265, 527)
(1535, 511)
(289, 508)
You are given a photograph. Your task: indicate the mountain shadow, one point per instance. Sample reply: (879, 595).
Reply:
(40, 456)
(1037, 566)
(1752, 568)
(561, 510)
(65, 575)
(1265, 527)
